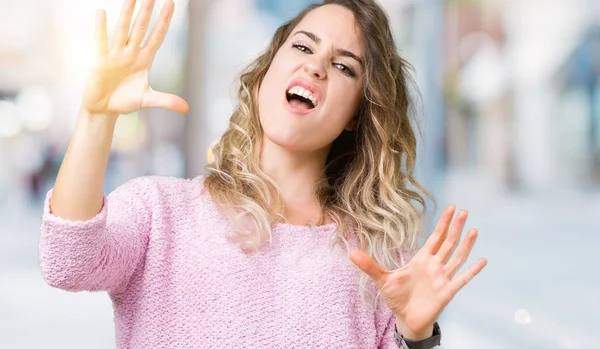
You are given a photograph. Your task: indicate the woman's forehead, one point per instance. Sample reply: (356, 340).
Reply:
(333, 25)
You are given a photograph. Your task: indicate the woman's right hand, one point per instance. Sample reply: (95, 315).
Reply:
(118, 81)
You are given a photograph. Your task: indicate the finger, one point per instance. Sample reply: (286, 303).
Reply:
(366, 264)
(463, 253)
(439, 233)
(460, 281)
(122, 30)
(100, 34)
(155, 99)
(453, 237)
(159, 32)
(140, 26)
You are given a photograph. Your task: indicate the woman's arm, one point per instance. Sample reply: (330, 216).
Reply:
(90, 241)
(116, 84)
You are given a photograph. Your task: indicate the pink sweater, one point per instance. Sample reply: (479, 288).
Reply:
(158, 248)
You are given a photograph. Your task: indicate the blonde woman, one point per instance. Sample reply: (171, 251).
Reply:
(312, 179)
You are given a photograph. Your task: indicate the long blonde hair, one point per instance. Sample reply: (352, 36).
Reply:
(368, 185)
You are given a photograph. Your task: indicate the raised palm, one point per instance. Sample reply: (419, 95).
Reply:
(118, 80)
(418, 292)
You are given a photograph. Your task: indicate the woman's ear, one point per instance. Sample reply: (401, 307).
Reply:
(351, 126)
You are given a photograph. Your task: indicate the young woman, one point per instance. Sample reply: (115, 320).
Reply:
(313, 178)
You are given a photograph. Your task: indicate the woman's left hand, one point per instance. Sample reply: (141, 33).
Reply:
(419, 291)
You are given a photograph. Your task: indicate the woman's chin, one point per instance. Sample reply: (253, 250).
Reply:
(290, 142)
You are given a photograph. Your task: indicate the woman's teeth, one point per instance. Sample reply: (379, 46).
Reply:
(304, 93)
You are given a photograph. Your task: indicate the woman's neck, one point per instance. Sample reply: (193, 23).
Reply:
(297, 175)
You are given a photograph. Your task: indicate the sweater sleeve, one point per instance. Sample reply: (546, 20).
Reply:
(102, 253)
(388, 340)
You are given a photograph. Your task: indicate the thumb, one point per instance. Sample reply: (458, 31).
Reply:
(156, 99)
(366, 264)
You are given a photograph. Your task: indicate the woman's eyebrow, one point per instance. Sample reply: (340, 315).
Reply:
(312, 36)
(338, 51)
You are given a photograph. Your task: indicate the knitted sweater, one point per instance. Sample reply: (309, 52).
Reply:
(159, 249)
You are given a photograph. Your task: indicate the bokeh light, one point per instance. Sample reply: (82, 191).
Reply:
(10, 119)
(522, 317)
(35, 107)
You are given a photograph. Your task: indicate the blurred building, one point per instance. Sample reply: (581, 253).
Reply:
(30, 68)
(505, 107)
(578, 84)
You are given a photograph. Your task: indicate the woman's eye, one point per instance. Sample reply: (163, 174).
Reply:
(345, 69)
(302, 48)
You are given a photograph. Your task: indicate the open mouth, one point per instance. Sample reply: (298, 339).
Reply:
(300, 98)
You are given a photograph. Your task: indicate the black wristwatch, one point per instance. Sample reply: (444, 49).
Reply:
(428, 343)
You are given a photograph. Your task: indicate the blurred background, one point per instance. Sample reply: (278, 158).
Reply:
(511, 121)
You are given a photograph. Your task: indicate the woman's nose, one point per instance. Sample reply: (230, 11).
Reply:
(315, 69)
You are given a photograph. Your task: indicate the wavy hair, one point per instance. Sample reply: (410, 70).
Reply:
(368, 188)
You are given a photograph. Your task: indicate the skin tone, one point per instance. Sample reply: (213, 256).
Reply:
(294, 151)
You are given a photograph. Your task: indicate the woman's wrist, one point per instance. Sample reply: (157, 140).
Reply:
(418, 335)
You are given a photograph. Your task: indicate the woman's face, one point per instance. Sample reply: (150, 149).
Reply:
(313, 87)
